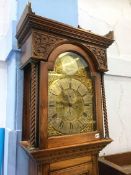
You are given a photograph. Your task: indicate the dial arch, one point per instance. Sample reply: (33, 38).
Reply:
(87, 55)
(70, 85)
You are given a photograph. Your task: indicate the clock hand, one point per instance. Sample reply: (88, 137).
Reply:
(63, 103)
(69, 110)
(62, 92)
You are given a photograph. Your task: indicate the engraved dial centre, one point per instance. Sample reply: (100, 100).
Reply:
(72, 105)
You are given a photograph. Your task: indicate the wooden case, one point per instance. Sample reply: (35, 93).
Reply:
(41, 40)
(116, 164)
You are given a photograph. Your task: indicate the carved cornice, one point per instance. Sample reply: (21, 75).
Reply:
(64, 153)
(32, 21)
(46, 34)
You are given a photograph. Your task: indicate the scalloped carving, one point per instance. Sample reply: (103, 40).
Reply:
(100, 55)
(43, 44)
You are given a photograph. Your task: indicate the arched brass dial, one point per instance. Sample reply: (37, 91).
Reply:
(70, 109)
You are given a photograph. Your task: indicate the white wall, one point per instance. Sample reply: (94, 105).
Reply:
(101, 17)
(7, 15)
(118, 93)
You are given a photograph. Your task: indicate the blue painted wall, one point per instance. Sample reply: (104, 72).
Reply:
(2, 136)
(10, 152)
(61, 10)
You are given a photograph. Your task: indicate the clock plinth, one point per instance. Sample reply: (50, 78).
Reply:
(70, 159)
(64, 99)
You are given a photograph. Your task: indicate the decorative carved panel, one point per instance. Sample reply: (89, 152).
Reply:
(43, 43)
(100, 54)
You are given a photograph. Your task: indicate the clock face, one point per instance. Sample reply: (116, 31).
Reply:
(70, 97)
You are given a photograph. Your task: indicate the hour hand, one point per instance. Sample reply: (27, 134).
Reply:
(62, 91)
(61, 103)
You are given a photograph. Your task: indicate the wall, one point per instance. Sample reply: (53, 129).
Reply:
(101, 17)
(60, 10)
(6, 17)
(3, 92)
(8, 77)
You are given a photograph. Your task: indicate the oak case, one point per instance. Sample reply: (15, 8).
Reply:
(42, 41)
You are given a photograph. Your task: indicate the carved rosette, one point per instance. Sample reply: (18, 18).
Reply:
(100, 55)
(43, 44)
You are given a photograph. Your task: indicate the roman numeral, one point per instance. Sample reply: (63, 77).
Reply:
(54, 116)
(51, 105)
(71, 126)
(85, 114)
(70, 84)
(61, 124)
(84, 94)
(86, 104)
(80, 124)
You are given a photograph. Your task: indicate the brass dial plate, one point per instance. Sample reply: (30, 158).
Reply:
(70, 97)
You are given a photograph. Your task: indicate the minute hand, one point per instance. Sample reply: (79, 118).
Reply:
(62, 92)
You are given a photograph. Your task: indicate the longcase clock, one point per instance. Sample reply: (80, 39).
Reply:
(64, 109)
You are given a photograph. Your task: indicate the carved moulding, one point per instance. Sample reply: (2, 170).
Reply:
(32, 21)
(101, 58)
(58, 154)
(47, 33)
(43, 44)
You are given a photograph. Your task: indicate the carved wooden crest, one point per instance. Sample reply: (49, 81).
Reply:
(43, 35)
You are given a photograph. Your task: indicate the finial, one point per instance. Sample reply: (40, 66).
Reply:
(29, 7)
(110, 35)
